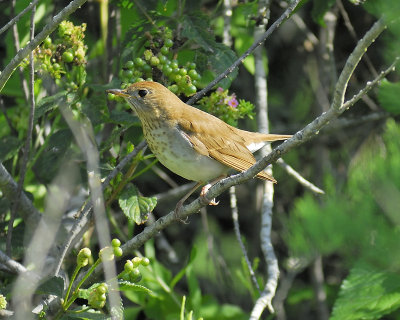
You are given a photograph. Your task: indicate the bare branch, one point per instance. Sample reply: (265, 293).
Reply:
(254, 46)
(18, 16)
(236, 227)
(299, 177)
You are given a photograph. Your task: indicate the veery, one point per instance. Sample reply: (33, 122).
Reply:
(191, 143)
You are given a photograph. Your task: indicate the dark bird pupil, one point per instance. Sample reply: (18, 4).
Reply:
(142, 92)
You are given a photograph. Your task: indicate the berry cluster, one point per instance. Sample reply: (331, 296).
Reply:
(97, 295)
(131, 271)
(159, 63)
(63, 56)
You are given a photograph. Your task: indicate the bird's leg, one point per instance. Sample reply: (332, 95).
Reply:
(180, 202)
(204, 190)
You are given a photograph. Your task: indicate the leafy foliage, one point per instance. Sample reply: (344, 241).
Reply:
(367, 293)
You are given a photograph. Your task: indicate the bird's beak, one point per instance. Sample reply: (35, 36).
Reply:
(119, 92)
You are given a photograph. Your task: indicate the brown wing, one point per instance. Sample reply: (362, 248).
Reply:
(218, 140)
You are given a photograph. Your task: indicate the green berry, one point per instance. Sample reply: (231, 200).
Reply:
(102, 288)
(139, 62)
(192, 65)
(67, 56)
(145, 261)
(128, 267)
(168, 43)
(190, 90)
(136, 261)
(174, 64)
(127, 73)
(174, 88)
(135, 275)
(47, 42)
(82, 259)
(116, 242)
(146, 68)
(111, 96)
(164, 50)
(163, 59)
(182, 72)
(129, 64)
(167, 70)
(193, 74)
(117, 250)
(56, 66)
(177, 78)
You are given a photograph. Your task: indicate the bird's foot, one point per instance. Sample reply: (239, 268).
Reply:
(203, 197)
(177, 212)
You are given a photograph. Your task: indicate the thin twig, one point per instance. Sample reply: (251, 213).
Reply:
(18, 16)
(24, 83)
(304, 182)
(49, 28)
(254, 46)
(349, 26)
(27, 146)
(236, 228)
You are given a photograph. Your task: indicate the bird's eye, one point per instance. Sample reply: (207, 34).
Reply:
(142, 92)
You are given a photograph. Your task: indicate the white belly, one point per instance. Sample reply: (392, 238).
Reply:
(176, 153)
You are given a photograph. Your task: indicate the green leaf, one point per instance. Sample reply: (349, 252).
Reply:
(127, 286)
(9, 147)
(134, 206)
(48, 103)
(53, 286)
(219, 57)
(367, 294)
(389, 96)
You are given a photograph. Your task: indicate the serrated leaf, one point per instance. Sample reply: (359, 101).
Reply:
(126, 285)
(134, 206)
(48, 103)
(53, 286)
(389, 96)
(9, 147)
(195, 28)
(367, 294)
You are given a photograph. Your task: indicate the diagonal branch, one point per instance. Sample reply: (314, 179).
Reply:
(18, 16)
(253, 47)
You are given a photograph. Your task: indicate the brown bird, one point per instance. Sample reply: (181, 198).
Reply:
(191, 143)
